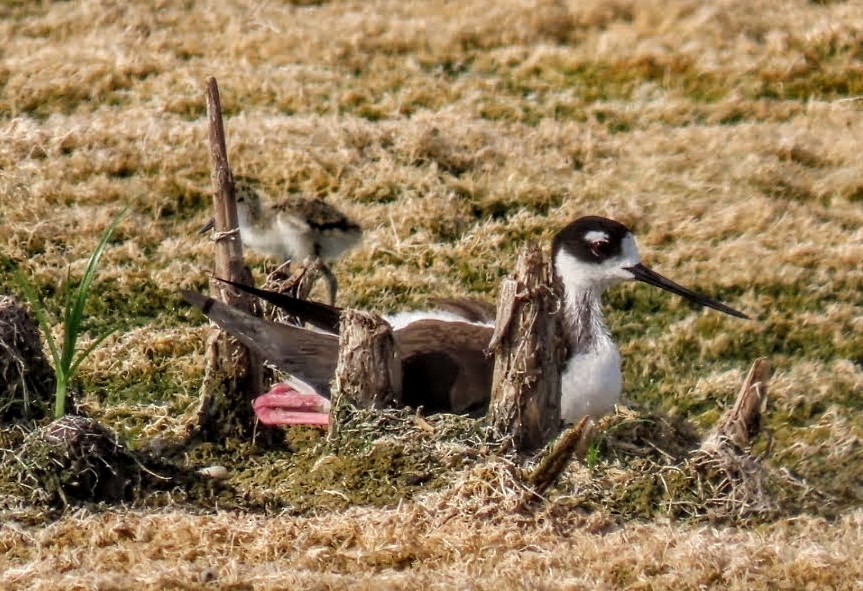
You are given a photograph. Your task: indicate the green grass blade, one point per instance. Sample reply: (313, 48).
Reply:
(70, 338)
(75, 307)
(66, 363)
(61, 373)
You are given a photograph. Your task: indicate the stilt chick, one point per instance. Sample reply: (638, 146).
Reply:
(294, 228)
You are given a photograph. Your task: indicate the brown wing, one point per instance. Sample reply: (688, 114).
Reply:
(319, 214)
(445, 369)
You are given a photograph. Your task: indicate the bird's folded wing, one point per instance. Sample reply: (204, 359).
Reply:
(308, 355)
(445, 368)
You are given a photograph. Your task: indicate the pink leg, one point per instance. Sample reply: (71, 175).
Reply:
(285, 404)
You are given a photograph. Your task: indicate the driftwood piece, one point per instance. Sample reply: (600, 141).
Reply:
(233, 374)
(573, 442)
(369, 371)
(369, 368)
(528, 347)
(742, 423)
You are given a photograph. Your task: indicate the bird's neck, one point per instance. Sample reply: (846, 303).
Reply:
(583, 321)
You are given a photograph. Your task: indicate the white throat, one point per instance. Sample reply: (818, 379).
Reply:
(591, 381)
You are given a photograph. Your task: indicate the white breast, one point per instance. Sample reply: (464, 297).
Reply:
(591, 383)
(284, 239)
(591, 380)
(298, 239)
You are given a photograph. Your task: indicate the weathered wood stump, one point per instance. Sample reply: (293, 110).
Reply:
(528, 347)
(369, 370)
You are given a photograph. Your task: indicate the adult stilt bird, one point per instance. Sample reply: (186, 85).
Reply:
(444, 367)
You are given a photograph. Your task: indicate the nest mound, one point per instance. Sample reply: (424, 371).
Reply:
(27, 380)
(630, 466)
(450, 463)
(644, 467)
(75, 459)
(378, 458)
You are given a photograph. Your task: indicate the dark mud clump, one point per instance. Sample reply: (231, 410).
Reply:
(75, 459)
(26, 379)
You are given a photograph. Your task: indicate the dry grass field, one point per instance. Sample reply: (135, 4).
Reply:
(727, 135)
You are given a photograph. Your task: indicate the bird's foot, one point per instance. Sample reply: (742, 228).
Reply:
(284, 404)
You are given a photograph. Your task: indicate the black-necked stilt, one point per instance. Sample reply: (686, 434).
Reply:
(444, 368)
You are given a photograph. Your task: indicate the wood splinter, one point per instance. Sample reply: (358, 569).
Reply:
(742, 424)
(572, 443)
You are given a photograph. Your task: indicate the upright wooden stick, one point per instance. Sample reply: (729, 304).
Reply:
(233, 374)
(229, 247)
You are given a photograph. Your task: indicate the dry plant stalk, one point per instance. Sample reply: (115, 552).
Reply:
(369, 371)
(233, 374)
(573, 442)
(525, 400)
(297, 284)
(742, 423)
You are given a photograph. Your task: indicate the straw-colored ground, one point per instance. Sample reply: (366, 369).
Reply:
(728, 135)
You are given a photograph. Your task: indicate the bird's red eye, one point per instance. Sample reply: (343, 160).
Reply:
(600, 248)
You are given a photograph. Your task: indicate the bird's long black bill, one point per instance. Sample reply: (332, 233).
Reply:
(315, 313)
(651, 277)
(208, 226)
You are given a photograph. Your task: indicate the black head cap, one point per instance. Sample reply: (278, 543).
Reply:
(591, 239)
